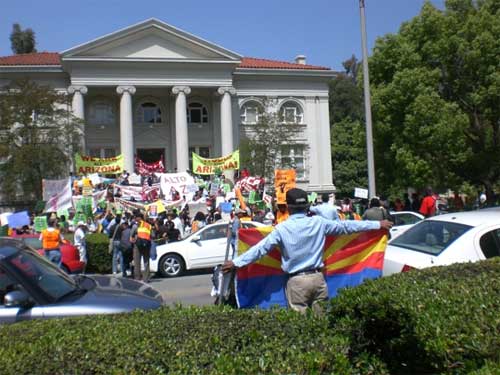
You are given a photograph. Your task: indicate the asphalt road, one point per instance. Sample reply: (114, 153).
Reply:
(191, 289)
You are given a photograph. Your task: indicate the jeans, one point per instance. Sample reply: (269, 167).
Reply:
(117, 253)
(141, 254)
(54, 256)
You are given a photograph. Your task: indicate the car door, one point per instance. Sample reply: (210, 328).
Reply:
(210, 249)
(489, 243)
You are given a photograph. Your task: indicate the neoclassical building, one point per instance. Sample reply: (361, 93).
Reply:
(154, 91)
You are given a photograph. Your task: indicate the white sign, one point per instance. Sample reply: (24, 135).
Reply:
(57, 194)
(361, 193)
(177, 181)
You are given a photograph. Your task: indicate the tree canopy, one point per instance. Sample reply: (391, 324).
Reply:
(436, 98)
(347, 130)
(22, 41)
(38, 138)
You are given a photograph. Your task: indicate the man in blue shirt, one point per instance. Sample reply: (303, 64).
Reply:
(324, 209)
(301, 240)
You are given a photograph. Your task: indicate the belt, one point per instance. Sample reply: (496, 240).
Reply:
(306, 272)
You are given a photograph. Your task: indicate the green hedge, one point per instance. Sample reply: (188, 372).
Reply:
(441, 319)
(99, 258)
(208, 340)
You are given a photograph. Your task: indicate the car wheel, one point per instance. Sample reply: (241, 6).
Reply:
(171, 265)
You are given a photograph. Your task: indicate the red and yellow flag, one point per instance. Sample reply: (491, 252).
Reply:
(349, 259)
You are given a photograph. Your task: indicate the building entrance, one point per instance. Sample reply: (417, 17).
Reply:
(151, 155)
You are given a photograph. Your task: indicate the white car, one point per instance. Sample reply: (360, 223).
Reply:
(203, 249)
(404, 220)
(445, 239)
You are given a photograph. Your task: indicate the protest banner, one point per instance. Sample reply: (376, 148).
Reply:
(178, 181)
(205, 166)
(56, 194)
(18, 219)
(348, 261)
(284, 180)
(85, 165)
(40, 223)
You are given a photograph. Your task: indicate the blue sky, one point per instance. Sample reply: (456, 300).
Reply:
(326, 31)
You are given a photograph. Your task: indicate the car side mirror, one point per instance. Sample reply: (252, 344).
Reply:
(17, 298)
(195, 238)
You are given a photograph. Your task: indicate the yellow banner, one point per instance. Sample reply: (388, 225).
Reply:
(88, 165)
(209, 166)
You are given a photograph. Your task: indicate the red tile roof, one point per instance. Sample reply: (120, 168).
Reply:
(253, 63)
(53, 58)
(39, 58)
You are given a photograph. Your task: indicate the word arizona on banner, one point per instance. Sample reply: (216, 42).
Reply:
(210, 166)
(88, 165)
(348, 260)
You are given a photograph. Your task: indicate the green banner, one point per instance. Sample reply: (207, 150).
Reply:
(87, 165)
(210, 166)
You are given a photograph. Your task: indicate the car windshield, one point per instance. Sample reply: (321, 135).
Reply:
(33, 242)
(41, 274)
(431, 237)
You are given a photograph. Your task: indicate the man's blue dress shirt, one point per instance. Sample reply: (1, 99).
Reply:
(301, 240)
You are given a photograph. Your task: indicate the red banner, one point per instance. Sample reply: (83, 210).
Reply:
(148, 168)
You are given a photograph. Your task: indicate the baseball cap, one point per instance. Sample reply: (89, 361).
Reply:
(296, 198)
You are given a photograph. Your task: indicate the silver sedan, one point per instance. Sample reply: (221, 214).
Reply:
(33, 288)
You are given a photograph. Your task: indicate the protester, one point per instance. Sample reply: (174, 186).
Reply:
(376, 211)
(325, 209)
(51, 241)
(301, 240)
(198, 222)
(140, 236)
(428, 205)
(79, 242)
(235, 226)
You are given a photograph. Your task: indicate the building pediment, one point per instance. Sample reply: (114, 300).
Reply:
(151, 39)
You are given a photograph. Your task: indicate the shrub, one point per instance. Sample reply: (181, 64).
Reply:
(208, 340)
(99, 259)
(441, 319)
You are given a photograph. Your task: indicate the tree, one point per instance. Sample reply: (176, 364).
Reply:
(347, 130)
(38, 136)
(436, 95)
(22, 41)
(261, 143)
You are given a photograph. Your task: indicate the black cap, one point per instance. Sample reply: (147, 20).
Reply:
(296, 198)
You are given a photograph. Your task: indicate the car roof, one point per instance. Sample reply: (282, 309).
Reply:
(472, 218)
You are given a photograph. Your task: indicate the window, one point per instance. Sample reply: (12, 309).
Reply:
(490, 244)
(94, 152)
(291, 113)
(101, 113)
(197, 114)
(149, 113)
(109, 152)
(203, 151)
(214, 233)
(250, 112)
(292, 157)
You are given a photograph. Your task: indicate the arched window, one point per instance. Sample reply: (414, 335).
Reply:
(291, 113)
(251, 112)
(197, 114)
(101, 112)
(149, 113)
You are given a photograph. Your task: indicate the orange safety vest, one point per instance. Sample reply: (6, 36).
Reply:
(144, 231)
(50, 239)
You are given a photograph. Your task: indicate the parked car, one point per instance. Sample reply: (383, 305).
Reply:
(445, 239)
(31, 287)
(403, 220)
(203, 249)
(69, 253)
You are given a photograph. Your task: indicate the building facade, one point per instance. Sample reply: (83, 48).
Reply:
(155, 91)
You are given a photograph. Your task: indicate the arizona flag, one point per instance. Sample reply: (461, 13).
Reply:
(349, 259)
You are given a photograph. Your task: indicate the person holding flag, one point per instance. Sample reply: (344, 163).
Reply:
(301, 240)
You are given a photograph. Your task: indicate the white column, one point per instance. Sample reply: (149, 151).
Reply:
(126, 129)
(226, 119)
(181, 127)
(78, 108)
